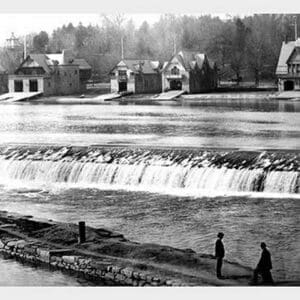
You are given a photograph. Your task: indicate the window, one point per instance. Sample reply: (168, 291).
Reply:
(65, 73)
(76, 72)
(122, 73)
(70, 84)
(18, 85)
(175, 71)
(49, 84)
(33, 85)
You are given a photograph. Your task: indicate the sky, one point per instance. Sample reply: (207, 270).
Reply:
(22, 24)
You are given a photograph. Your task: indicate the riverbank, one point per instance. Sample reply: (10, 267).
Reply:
(109, 256)
(152, 98)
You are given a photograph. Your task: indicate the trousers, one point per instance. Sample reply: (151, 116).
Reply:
(219, 266)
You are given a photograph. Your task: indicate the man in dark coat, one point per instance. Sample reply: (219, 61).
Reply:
(219, 254)
(264, 266)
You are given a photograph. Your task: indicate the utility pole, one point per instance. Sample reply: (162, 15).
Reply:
(25, 47)
(296, 34)
(122, 47)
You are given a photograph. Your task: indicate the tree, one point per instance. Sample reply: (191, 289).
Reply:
(40, 42)
(144, 42)
(237, 57)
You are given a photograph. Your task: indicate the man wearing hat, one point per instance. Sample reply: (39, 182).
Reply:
(219, 254)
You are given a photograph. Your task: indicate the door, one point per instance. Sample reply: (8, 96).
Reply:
(122, 86)
(175, 85)
(288, 85)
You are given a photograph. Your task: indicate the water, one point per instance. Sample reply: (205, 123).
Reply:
(145, 196)
(13, 273)
(242, 124)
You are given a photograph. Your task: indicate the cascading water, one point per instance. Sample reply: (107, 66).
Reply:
(187, 172)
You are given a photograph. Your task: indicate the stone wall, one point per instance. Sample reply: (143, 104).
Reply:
(94, 269)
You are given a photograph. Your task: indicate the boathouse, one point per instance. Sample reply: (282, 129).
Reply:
(137, 76)
(51, 74)
(189, 71)
(3, 80)
(288, 67)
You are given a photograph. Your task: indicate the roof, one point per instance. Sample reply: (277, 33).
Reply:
(189, 59)
(141, 65)
(285, 53)
(83, 65)
(42, 60)
(47, 60)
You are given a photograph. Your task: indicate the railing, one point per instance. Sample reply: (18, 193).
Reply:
(173, 76)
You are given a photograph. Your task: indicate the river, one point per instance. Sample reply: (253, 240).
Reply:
(204, 195)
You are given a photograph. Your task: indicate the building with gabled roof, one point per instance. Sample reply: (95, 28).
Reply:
(190, 71)
(288, 66)
(136, 76)
(50, 74)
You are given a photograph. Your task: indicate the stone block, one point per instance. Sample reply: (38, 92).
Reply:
(43, 255)
(135, 275)
(120, 277)
(1, 245)
(70, 259)
(20, 244)
(135, 283)
(143, 276)
(109, 268)
(30, 249)
(110, 276)
(127, 272)
(169, 282)
(149, 278)
(11, 244)
(116, 269)
(128, 281)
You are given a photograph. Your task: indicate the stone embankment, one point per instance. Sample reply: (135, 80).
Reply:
(108, 257)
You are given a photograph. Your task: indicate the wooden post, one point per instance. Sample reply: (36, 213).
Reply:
(81, 239)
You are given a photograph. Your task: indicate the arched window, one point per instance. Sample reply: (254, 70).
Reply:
(175, 71)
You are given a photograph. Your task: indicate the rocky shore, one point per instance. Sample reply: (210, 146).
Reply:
(109, 257)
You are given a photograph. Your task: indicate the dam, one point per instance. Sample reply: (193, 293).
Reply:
(173, 175)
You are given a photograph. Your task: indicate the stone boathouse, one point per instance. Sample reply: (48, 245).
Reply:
(189, 71)
(136, 76)
(51, 74)
(288, 67)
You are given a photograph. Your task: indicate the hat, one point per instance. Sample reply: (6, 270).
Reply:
(220, 234)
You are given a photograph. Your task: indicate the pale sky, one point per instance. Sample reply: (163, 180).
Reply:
(22, 24)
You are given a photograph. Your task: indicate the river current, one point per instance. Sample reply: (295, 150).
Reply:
(180, 219)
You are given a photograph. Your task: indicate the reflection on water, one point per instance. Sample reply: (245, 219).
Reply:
(228, 123)
(178, 221)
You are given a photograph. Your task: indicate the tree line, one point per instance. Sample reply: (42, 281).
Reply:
(243, 47)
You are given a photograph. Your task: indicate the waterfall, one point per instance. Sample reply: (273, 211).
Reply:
(172, 171)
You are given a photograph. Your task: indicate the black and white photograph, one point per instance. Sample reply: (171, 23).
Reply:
(150, 149)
